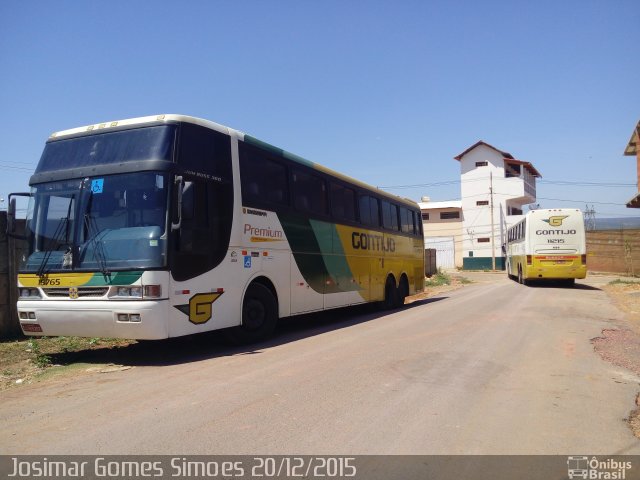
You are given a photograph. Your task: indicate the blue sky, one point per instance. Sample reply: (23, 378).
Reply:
(386, 92)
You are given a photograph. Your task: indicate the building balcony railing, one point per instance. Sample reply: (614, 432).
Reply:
(518, 189)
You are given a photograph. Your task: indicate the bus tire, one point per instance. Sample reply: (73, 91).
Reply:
(259, 316)
(403, 290)
(390, 294)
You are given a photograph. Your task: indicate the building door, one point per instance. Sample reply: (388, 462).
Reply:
(445, 250)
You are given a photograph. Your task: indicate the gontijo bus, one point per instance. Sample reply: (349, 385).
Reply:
(170, 225)
(547, 244)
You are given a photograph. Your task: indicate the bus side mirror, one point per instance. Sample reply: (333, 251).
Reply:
(179, 182)
(11, 216)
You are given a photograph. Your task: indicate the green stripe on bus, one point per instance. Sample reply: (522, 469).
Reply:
(334, 258)
(117, 278)
(318, 253)
(278, 151)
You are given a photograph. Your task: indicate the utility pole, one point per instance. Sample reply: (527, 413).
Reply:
(493, 241)
(590, 218)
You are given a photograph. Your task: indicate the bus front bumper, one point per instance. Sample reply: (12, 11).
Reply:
(140, 320)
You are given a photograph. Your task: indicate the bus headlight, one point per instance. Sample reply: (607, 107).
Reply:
(29, 293)
(128, 292)
(135, 292)
(139, 292)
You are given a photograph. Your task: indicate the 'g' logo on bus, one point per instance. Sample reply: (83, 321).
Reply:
(555, 221)
(200, 307)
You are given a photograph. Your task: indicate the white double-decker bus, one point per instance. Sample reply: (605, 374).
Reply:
(170, 225)
(547, 244)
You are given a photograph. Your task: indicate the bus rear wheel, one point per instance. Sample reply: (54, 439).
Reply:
(403, 290)
(259, 316)
(390, 294)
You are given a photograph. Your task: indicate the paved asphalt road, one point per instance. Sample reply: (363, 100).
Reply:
(492, 368)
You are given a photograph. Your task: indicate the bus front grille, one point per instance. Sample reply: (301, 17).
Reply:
(80, 292)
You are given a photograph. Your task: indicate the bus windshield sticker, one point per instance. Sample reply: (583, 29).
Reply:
(97, 185)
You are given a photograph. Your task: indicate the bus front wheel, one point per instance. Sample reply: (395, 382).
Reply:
(259, 315)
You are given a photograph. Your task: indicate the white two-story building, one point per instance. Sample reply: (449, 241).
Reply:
(494, 189)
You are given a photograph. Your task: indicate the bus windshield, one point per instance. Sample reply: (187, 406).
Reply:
(106, 223)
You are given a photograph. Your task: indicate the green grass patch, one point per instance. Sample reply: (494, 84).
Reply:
(439, 279)
(620, 281)
(32, 357)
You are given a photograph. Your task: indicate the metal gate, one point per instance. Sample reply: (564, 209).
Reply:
(445, 250)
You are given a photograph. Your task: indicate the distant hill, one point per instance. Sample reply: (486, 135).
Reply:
(617, 223)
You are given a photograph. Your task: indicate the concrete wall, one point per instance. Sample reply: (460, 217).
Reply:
(615, 251)
(10, 252)
(449, 228)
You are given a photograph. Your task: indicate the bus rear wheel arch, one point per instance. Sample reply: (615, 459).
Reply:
(259, 314)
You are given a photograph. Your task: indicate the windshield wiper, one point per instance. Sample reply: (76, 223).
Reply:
(57, 237)
(93, 232)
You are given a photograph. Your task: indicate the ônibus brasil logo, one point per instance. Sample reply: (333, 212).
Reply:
(555, 221)
(609, 469)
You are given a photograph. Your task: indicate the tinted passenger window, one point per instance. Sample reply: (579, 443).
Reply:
(343, 202)
(406, 220)
(263, 180)
(309, 193)
(389, 215)
(205, 151)
(369, 211)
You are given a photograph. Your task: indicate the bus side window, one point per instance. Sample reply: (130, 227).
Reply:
(202, 240)
(309, 193)
(369, 211)
(262, 179)
(343, 202)
(389, 215)
(195, 219)
(406, 220)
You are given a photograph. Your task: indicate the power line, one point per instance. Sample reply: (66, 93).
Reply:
(587, 184)
(12, 167)
(581, 201)
(550, 182)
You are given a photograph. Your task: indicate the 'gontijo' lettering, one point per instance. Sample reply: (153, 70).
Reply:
(367, 241)
(555, 232)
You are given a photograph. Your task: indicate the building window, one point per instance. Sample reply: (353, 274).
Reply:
(449, 215)
(425, 217)
(514, 211)
(482, 202)
(482, 164)
(484, 240)
(511, 170)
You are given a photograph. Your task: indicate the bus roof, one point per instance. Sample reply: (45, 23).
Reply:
(88, 129)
